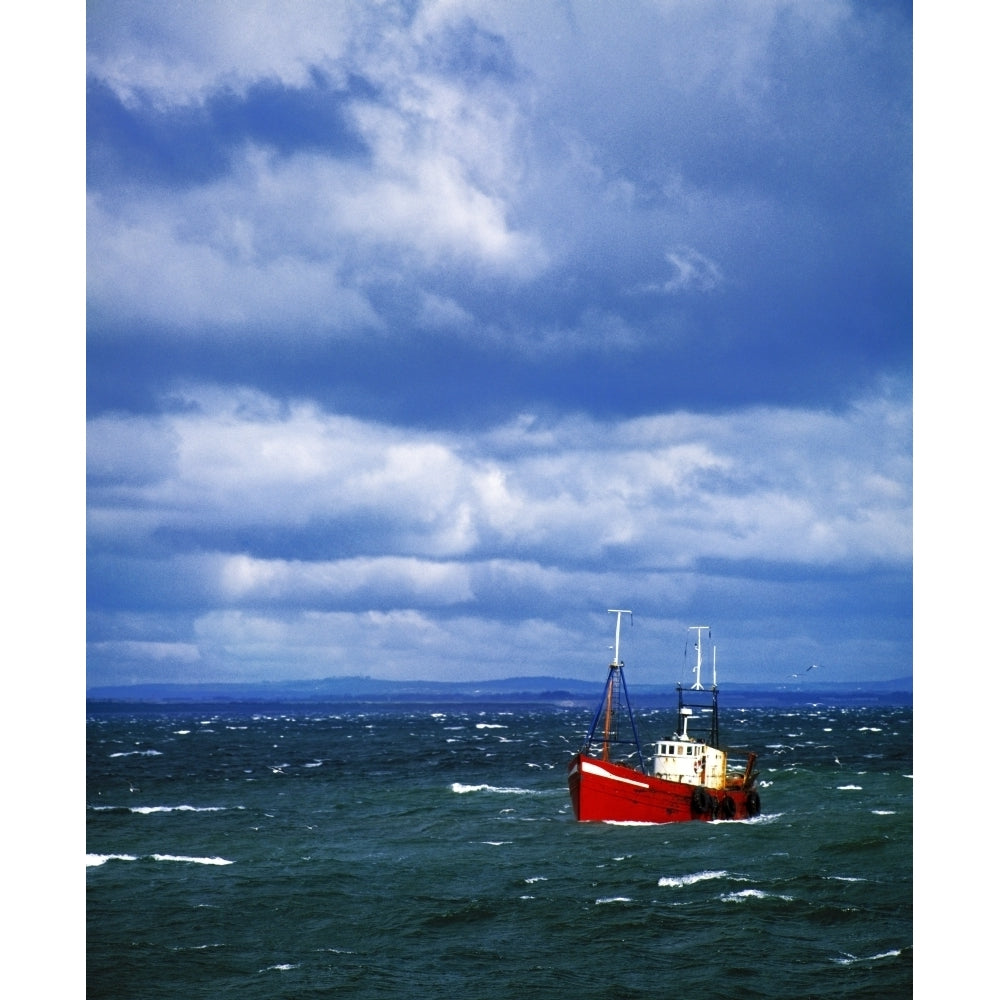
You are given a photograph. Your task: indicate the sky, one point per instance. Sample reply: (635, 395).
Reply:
(420, 334)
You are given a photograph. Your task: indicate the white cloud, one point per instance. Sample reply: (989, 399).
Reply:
(177, 53)
(385, 644)
(293, 243)
(205, 259)
(794, 486)
(387, 579)
(153, 652)
(464, 174)
(690, 271)
(437, 312)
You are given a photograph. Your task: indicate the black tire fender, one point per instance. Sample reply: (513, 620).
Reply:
(701, 801)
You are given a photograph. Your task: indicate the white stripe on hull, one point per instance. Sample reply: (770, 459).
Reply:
(591, 768)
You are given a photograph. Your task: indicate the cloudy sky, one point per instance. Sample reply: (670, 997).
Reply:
(419, 334)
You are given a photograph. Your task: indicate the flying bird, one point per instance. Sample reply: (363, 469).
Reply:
(815, 666)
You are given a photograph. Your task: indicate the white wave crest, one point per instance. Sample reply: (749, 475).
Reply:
(460, 789)
(147, 810)
(851, 959)
(93, 860)
(745, 894)
(682, 880)
(195, 861)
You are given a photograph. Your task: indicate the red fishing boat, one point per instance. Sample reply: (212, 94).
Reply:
(689, 776)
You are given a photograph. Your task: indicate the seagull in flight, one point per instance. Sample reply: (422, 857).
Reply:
(815, 666)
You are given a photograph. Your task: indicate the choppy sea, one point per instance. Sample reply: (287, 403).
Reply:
(273, 851)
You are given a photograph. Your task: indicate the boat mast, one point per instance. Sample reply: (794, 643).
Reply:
(684, 709)
(697, 686)
(618, 632)
(615, 701)
(615, 676)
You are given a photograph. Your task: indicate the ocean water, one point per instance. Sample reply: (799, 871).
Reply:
(275, 851)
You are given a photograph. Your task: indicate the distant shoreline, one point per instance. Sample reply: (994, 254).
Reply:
(547, 691)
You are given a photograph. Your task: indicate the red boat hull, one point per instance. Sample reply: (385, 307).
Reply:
(602, 791)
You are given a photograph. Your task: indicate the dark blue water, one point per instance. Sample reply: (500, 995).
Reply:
(418, 852)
